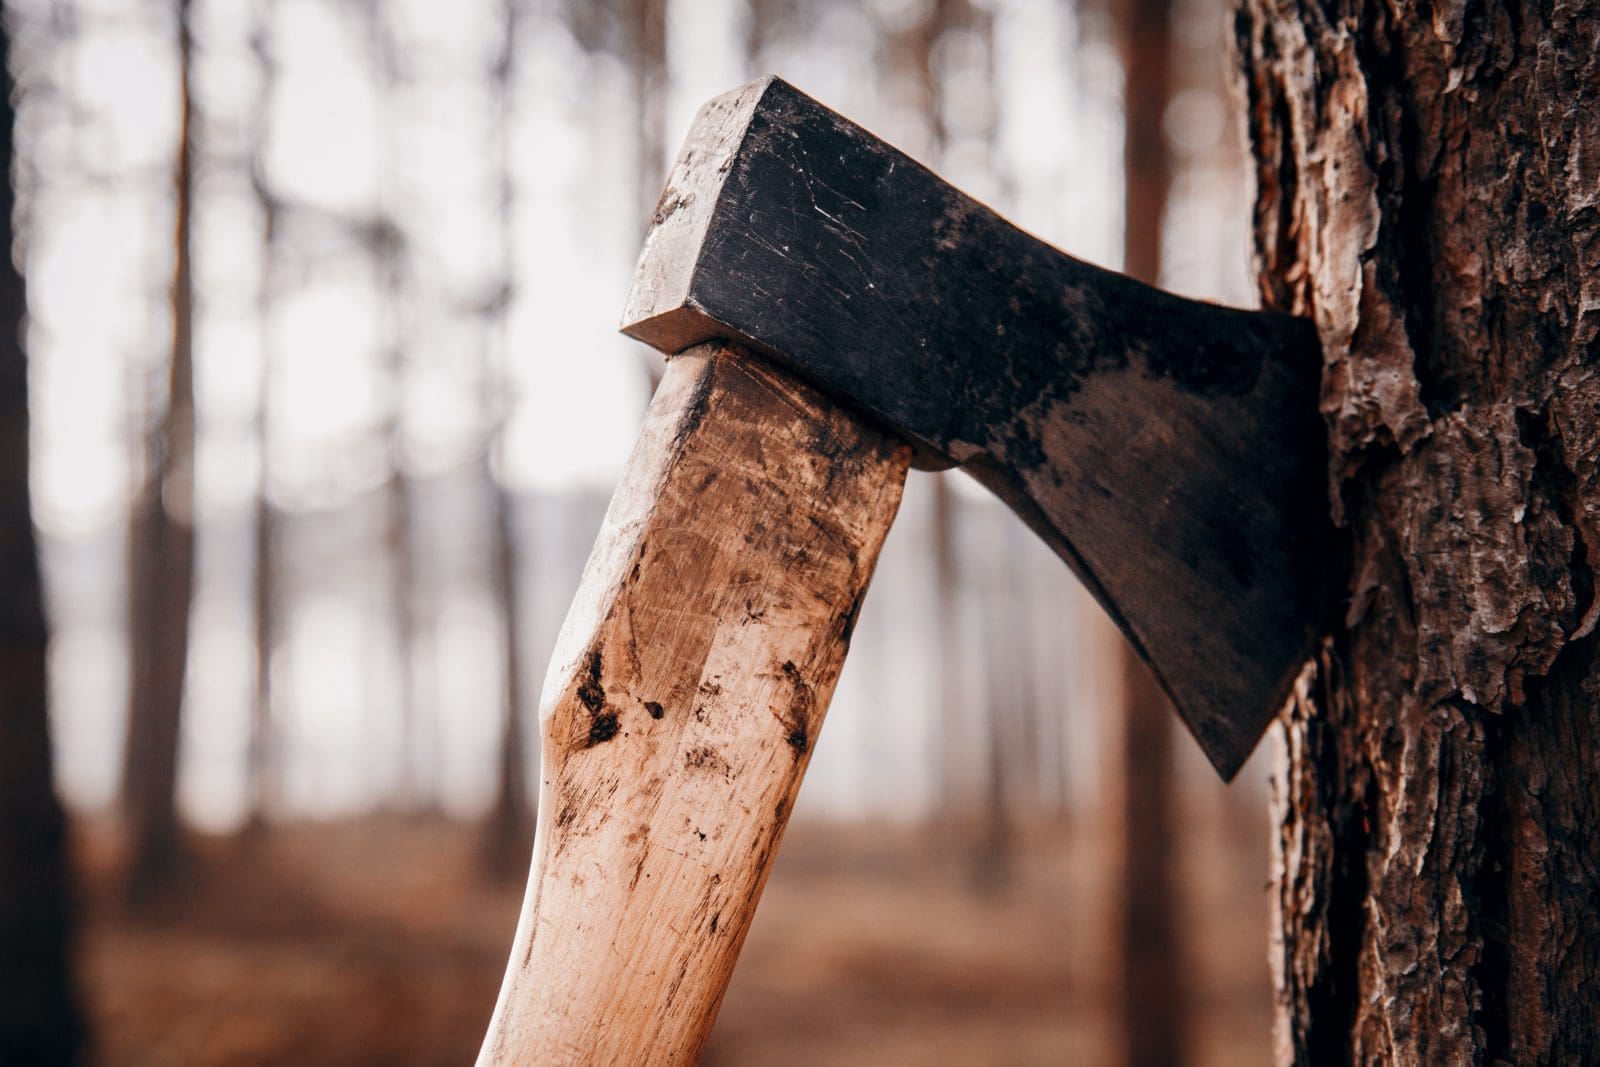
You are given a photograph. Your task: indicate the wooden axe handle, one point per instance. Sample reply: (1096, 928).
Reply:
(682, 704)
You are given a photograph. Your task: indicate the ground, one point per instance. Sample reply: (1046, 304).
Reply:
(377, 942)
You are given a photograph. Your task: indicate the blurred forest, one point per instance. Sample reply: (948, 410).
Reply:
(326, 404)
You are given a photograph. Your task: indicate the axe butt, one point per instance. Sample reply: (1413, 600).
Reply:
(682, 703)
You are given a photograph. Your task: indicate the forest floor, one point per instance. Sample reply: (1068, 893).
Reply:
(378, 941)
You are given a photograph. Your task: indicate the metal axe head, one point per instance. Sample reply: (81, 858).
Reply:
(1169, 450)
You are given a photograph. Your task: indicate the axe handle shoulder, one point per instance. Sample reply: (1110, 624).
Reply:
(682, 704)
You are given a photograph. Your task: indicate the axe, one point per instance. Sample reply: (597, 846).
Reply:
(834, 313)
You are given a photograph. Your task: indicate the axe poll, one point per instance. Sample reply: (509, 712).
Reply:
(834, 312)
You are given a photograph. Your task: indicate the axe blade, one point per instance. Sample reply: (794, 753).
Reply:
(1169, 450)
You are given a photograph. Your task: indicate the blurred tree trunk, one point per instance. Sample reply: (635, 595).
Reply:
(508, 846)
(1007, 721)
(385, 237)
(40, 1020)
(161, 557)
(954, 758)
(645, 41)
(765, 22)
(510, 837)
(910, 60)
(1153, 1006)
(645, 24)
(1154, 1002)
(914, 57)
(399, 521)
(1008, 685)
(1428, 185)
(261, 754)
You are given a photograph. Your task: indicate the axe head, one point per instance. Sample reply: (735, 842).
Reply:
(1169, 450)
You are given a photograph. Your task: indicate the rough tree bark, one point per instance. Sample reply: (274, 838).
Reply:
(1151, 1012)
(39, 1016)
(1429, 191)
(161, 557)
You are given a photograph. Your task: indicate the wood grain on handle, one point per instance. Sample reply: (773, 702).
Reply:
(682, 704)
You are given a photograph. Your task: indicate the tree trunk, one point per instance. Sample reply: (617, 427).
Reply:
(1428, 190)
(646, 44)
(765, 22)
(510, 837)
(953, 709)
(39, 1016)
(400, 545)
(1006, 722)
(261, 754)
(1153, 997)
(508, 843)
(1006, 686)
(161, 559)
(386, 239)
(646, 30)
(913, 57)
(909, 58)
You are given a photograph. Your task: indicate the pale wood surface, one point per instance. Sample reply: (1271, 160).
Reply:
(682, 704)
